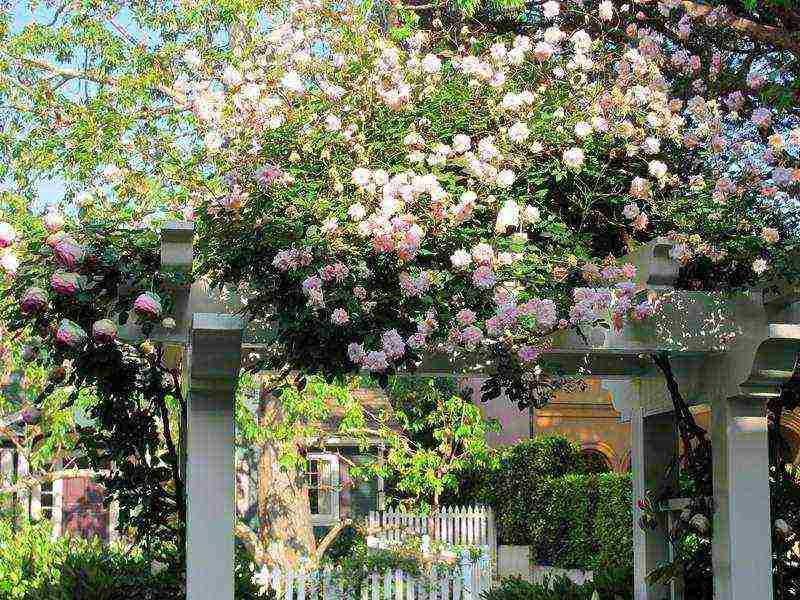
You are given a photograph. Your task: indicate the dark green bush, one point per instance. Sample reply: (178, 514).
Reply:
(610, 584)
(544, 498)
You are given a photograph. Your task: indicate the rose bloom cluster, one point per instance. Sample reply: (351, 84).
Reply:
(325, 103)
(71, 277)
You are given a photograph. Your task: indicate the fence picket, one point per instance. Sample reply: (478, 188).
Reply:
(301, 586)
(465, 582)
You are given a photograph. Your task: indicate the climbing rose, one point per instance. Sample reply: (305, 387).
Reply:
(66, 284)
(9, 262)
(573, 158)
(7, 235)
(770, 235)
(148, 306)
(340, 317)
(69, 253)
(759, 266)
(70, 334)
(104, 331)
(33, 300)
(53, 221)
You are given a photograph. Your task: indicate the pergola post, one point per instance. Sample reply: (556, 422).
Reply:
(214, 369)
(653, 446)
(742, 544)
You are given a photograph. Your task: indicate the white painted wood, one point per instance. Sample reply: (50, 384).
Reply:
(214, 368)
(742, 532)
(57, 515)
(24, 495)
(653, 445)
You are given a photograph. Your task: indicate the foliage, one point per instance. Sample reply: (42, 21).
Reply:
(131, 397)
(34, 566)
(544, 498)
(447, 436)
(521, 467)
(609, 584)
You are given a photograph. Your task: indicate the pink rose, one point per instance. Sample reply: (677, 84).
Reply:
(53, 221)
(7, 235)
(104, 331)
(66, 284)
(69, 254)
(148, 306)
(33, 300)
(70, 334)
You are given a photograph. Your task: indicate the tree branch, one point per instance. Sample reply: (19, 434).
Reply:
(780, 38)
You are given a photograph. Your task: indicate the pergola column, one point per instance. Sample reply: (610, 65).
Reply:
(214, 370)
(653, 446)
(742, 544)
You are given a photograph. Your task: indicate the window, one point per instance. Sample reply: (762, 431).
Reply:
(323, 488)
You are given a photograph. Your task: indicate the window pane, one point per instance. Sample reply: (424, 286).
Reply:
(325, 492)
(313, 486)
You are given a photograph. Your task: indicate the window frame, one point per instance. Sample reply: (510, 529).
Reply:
(331, 518)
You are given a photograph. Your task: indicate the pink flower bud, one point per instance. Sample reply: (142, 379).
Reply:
(69, 254)
(148, 306)
(70, 334)
(66, 284)
(104, 331)
(7, 235)
(53, 221)
(33, 301)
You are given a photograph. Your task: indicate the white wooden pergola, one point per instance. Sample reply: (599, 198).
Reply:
(734, 378)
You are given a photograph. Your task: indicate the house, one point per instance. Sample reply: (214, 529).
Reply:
(74, 505)
(334, 494)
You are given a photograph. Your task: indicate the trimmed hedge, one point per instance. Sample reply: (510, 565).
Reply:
(544, 498)
(576, 522)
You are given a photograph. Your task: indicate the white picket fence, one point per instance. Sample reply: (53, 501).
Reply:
(463, 526)
(467, 580)
(37, 502)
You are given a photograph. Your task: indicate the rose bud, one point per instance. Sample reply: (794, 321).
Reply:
(148, 306)
(66, 284)
(70, 334)
(104, 331)
(53, 221)
(168, 323)
(69, 254)
(57, 375)
(34, 300)
(700, 523)
(7, 235)
(782, 528)
(29, 353)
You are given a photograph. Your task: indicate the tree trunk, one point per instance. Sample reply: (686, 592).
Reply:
(286, 532)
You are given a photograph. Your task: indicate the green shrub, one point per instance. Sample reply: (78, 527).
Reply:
(611, 584)
(578, 522)
(33, 566)
(543, 497)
